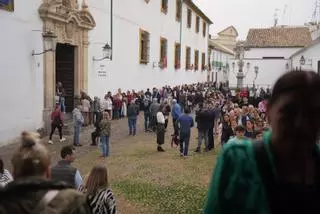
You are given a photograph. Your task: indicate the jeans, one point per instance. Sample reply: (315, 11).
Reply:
(104, 145)
(132, 122)
(203, 134)
(76, 134)
(97, 117)
(147, 118)
(116, 114)
(184, 143)
(62, 104)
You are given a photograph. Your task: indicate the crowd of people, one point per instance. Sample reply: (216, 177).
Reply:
(269, 172)
(218, 112)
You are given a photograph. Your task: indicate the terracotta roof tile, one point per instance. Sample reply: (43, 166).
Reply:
(279, 37)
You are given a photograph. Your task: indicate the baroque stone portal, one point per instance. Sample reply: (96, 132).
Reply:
(71, 24)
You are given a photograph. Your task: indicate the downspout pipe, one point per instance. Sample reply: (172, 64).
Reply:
(181, 18)
(111, 29)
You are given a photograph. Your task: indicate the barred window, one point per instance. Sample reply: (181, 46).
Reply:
(203, 61)
(197, 24)
(177, 54)
(144, 47)
(188, 56)
(189, 21)
(178, 10)
(204, 29)
(163, 52)
(196, 60)
(164, 6)
(7, 5)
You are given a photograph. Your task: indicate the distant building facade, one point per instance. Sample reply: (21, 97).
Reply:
(270, 49)
(221, 58)
(227, 37)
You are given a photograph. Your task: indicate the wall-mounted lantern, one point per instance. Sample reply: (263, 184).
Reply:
(303, 61)
(106, 52)
(49, 43)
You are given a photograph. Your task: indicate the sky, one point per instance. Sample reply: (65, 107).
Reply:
(246, 14)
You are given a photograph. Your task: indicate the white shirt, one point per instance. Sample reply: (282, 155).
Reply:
(107, 104)
(160, 118)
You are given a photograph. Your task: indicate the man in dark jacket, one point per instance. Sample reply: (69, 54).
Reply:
(64, 171)
(132, 113)
(203, 124)
(211, 122)
(147, 114)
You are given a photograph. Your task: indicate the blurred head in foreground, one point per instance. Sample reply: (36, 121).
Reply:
(294, 111)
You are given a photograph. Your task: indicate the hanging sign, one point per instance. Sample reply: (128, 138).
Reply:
(102, 71)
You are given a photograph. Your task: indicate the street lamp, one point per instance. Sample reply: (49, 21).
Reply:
(106, 51)
(49, 43)
(302, 60)
(240, 57)
(256, 72)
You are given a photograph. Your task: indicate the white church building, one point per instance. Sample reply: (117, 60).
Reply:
(153, 43)
(268, 54)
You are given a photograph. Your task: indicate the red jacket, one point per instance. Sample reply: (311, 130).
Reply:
(56, 114)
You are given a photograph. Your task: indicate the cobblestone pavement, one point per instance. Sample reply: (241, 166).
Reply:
(119, 132)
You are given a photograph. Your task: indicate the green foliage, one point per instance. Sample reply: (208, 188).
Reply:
(178, 198)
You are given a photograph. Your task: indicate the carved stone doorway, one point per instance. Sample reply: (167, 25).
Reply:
(71, 25)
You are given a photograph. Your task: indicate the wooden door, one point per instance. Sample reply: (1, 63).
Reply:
(65, 59)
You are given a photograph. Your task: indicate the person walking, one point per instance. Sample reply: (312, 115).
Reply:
(160, 121)
(64, 171)
(132, 113)
(56, 122)
(185, 122)
(78, 121)
(175, 113)
(105, 130)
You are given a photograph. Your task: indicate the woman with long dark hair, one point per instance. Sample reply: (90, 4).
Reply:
(281, 173)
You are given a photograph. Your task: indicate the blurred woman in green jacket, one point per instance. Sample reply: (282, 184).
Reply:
(280, 174)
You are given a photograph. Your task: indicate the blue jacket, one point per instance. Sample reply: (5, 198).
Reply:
(185, 123)
(176, 111)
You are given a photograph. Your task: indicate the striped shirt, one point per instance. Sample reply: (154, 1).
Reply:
(102, 202)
